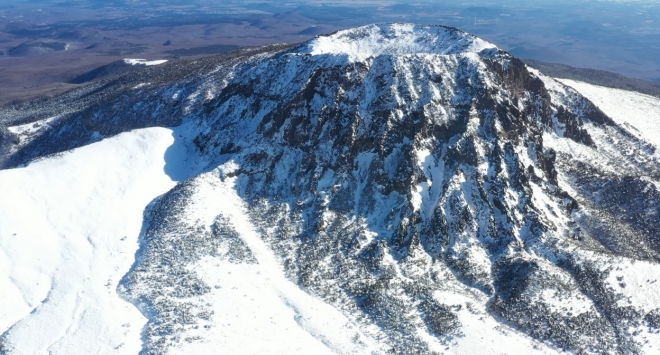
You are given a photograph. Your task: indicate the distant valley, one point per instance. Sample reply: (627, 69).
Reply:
(49, 47)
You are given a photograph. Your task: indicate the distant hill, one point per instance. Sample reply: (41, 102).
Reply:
(112, 69)
(34, 48)
(315, 30)
(204, 50)
(596, 77)
(283, 20)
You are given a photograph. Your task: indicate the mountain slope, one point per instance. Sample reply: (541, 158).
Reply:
(379, 180)
(68, 234)
(433, 191)
(638, 112)
(596, 77)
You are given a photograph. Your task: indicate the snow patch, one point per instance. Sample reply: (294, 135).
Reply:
(482, 334)
(144, 61)
(638, 282)
(33, 127)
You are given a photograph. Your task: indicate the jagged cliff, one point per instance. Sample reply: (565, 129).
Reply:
(421, 181)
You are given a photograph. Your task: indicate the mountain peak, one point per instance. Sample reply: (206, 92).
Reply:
(428, 190)
(395, 39)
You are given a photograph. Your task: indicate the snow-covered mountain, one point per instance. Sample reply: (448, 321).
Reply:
(391, 188)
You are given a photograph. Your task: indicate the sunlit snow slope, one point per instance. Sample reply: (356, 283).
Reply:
(398, 39)
(392, 188)
(637, 111)
(68, 234)
(254, 308)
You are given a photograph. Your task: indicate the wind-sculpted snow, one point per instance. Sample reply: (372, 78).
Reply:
(429, 190)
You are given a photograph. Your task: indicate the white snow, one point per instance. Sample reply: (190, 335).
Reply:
(482, 334)
(428, 192)
(32, 127)
(144, 61)
(638, 282)
(141, 85)
(256, 310)
(627, 108)
(394, 39)
(68, 232)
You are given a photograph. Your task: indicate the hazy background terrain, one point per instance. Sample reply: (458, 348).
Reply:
(49, 46)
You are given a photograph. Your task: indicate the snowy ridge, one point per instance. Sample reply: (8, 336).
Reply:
(395, 39)
(68, 234)
(395, 189)
(639, 112)
(253, 308)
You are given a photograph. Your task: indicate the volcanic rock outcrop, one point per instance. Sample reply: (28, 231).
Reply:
(418, 179)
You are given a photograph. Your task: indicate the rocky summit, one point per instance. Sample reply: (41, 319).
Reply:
(431, 189)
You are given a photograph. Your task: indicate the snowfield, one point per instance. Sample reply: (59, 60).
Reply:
(638, 112)
(396, 39)
(272, 222)
(256, 310)
(69, 233)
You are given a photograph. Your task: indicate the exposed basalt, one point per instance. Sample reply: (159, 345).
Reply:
(169, 244)
(381, 183)
(346, 122)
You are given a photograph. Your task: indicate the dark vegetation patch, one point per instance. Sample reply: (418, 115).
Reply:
(34, 48)
(212, 49)
(128, 50)
(115, 68)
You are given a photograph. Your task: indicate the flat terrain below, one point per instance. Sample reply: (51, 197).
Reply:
(39, 71)
(47, 45)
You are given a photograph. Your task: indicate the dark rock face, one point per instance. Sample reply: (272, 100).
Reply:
(425, 153)
(383, 179)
